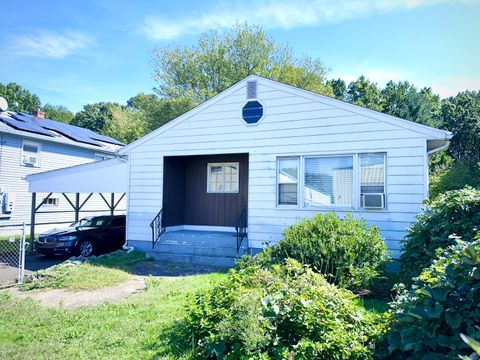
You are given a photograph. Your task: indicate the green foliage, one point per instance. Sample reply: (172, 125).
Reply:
(452, 213)
(158, 111)
(219, 60)
(19, 99)
(364, 93)
(345, 250)
(58, 113)
(339, 88)
(404, 101)
(461, 115)
(454, 176)
(427, 320)
(284, 312)
(113, 120)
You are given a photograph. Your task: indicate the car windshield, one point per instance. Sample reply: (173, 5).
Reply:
(92, 222)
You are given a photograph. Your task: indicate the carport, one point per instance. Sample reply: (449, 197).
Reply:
(107, 178)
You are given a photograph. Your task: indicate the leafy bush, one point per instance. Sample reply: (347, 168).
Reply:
(286, 311)
(453, 213)
(454, 176)
(442, 304)
(346, 251)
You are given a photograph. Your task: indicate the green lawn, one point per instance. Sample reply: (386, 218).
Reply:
(95, 274)
(140, 327)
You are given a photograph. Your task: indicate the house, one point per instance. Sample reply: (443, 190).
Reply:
(31, 144)
(230, 175)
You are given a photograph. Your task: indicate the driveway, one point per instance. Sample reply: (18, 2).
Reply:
(9, 271)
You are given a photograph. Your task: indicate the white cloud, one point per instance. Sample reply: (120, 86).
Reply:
(48, 44)
(285, 14)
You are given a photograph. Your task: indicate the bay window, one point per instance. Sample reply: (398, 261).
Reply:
(340, 181)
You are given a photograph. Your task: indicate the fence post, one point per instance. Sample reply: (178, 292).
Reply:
(21, 272)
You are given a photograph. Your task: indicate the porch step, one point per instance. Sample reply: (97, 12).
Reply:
(199, 247)
(193, 259)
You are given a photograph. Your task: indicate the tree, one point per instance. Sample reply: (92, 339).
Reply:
(94, 116)
(339, 88)
(58, 113)
(126, 125)
(158, 111)
(19, 99)
(461, 115)
(403, 100)
(364, 93)
(218, 61)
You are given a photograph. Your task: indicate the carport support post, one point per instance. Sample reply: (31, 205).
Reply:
(32, 216)
(77, 207)
(112, 203)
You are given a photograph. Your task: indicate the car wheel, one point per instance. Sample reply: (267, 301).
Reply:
(85, 248)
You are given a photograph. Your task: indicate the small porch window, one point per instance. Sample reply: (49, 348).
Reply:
(223, 177)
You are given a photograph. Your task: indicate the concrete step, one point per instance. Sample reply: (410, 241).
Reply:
(193, 259)
(201, 238)
(196, 249)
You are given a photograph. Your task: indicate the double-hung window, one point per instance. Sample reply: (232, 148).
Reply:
(223, 177)
(339, 181)
(287, 178)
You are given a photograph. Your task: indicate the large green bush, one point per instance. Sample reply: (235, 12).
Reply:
(345, 250)
(443, 303)
(454, 176)
(283, 312)
(452, 213)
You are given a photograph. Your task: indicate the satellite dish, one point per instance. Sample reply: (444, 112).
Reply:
(3, 104)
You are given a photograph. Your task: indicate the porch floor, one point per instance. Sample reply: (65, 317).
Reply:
(214, 248)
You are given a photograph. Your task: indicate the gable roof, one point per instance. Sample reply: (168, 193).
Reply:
(429, 132)
(23, 124)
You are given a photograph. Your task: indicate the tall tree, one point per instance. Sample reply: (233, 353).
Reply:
(158, 111)
(339, 88)
(19, 99)
(461, 115)
(403, 100)
(94, 116)
(362, 92)
(58, 113)
(219, 60)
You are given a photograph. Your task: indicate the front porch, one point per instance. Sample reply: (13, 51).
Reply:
(204, 217)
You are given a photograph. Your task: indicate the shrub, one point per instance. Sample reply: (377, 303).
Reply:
(453, 213)
(441, 305)
(346, 251)
(286, 311)
(454, 176)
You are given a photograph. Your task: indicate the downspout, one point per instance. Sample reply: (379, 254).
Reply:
(431, 152)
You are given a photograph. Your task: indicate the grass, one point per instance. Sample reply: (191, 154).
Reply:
(143, 326)
(91, 275)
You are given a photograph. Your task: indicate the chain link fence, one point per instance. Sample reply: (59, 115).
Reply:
(13, 246)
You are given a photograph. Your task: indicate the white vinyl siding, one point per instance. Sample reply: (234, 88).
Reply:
(295, 123)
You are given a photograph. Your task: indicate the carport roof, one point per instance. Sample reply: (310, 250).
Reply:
(107, 176)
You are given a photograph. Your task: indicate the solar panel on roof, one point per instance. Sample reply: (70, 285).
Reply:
(27, 122)
(26, 126)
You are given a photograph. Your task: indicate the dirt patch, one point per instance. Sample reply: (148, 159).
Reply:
(73, 299)
(171, 270)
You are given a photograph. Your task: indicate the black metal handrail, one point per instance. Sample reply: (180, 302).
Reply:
(158, 227)
(241, 228)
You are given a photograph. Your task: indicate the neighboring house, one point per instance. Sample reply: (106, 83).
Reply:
(31, 144)
(259, 157)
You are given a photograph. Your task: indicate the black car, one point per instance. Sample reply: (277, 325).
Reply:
(92, 235)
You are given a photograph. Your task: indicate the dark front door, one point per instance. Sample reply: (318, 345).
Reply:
(215, 189)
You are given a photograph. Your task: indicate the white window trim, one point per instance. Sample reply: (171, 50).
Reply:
(356, 184)
(223, 165)
(299, 179)
(39, 157)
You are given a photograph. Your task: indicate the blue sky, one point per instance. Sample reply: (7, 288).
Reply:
(78, 52)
